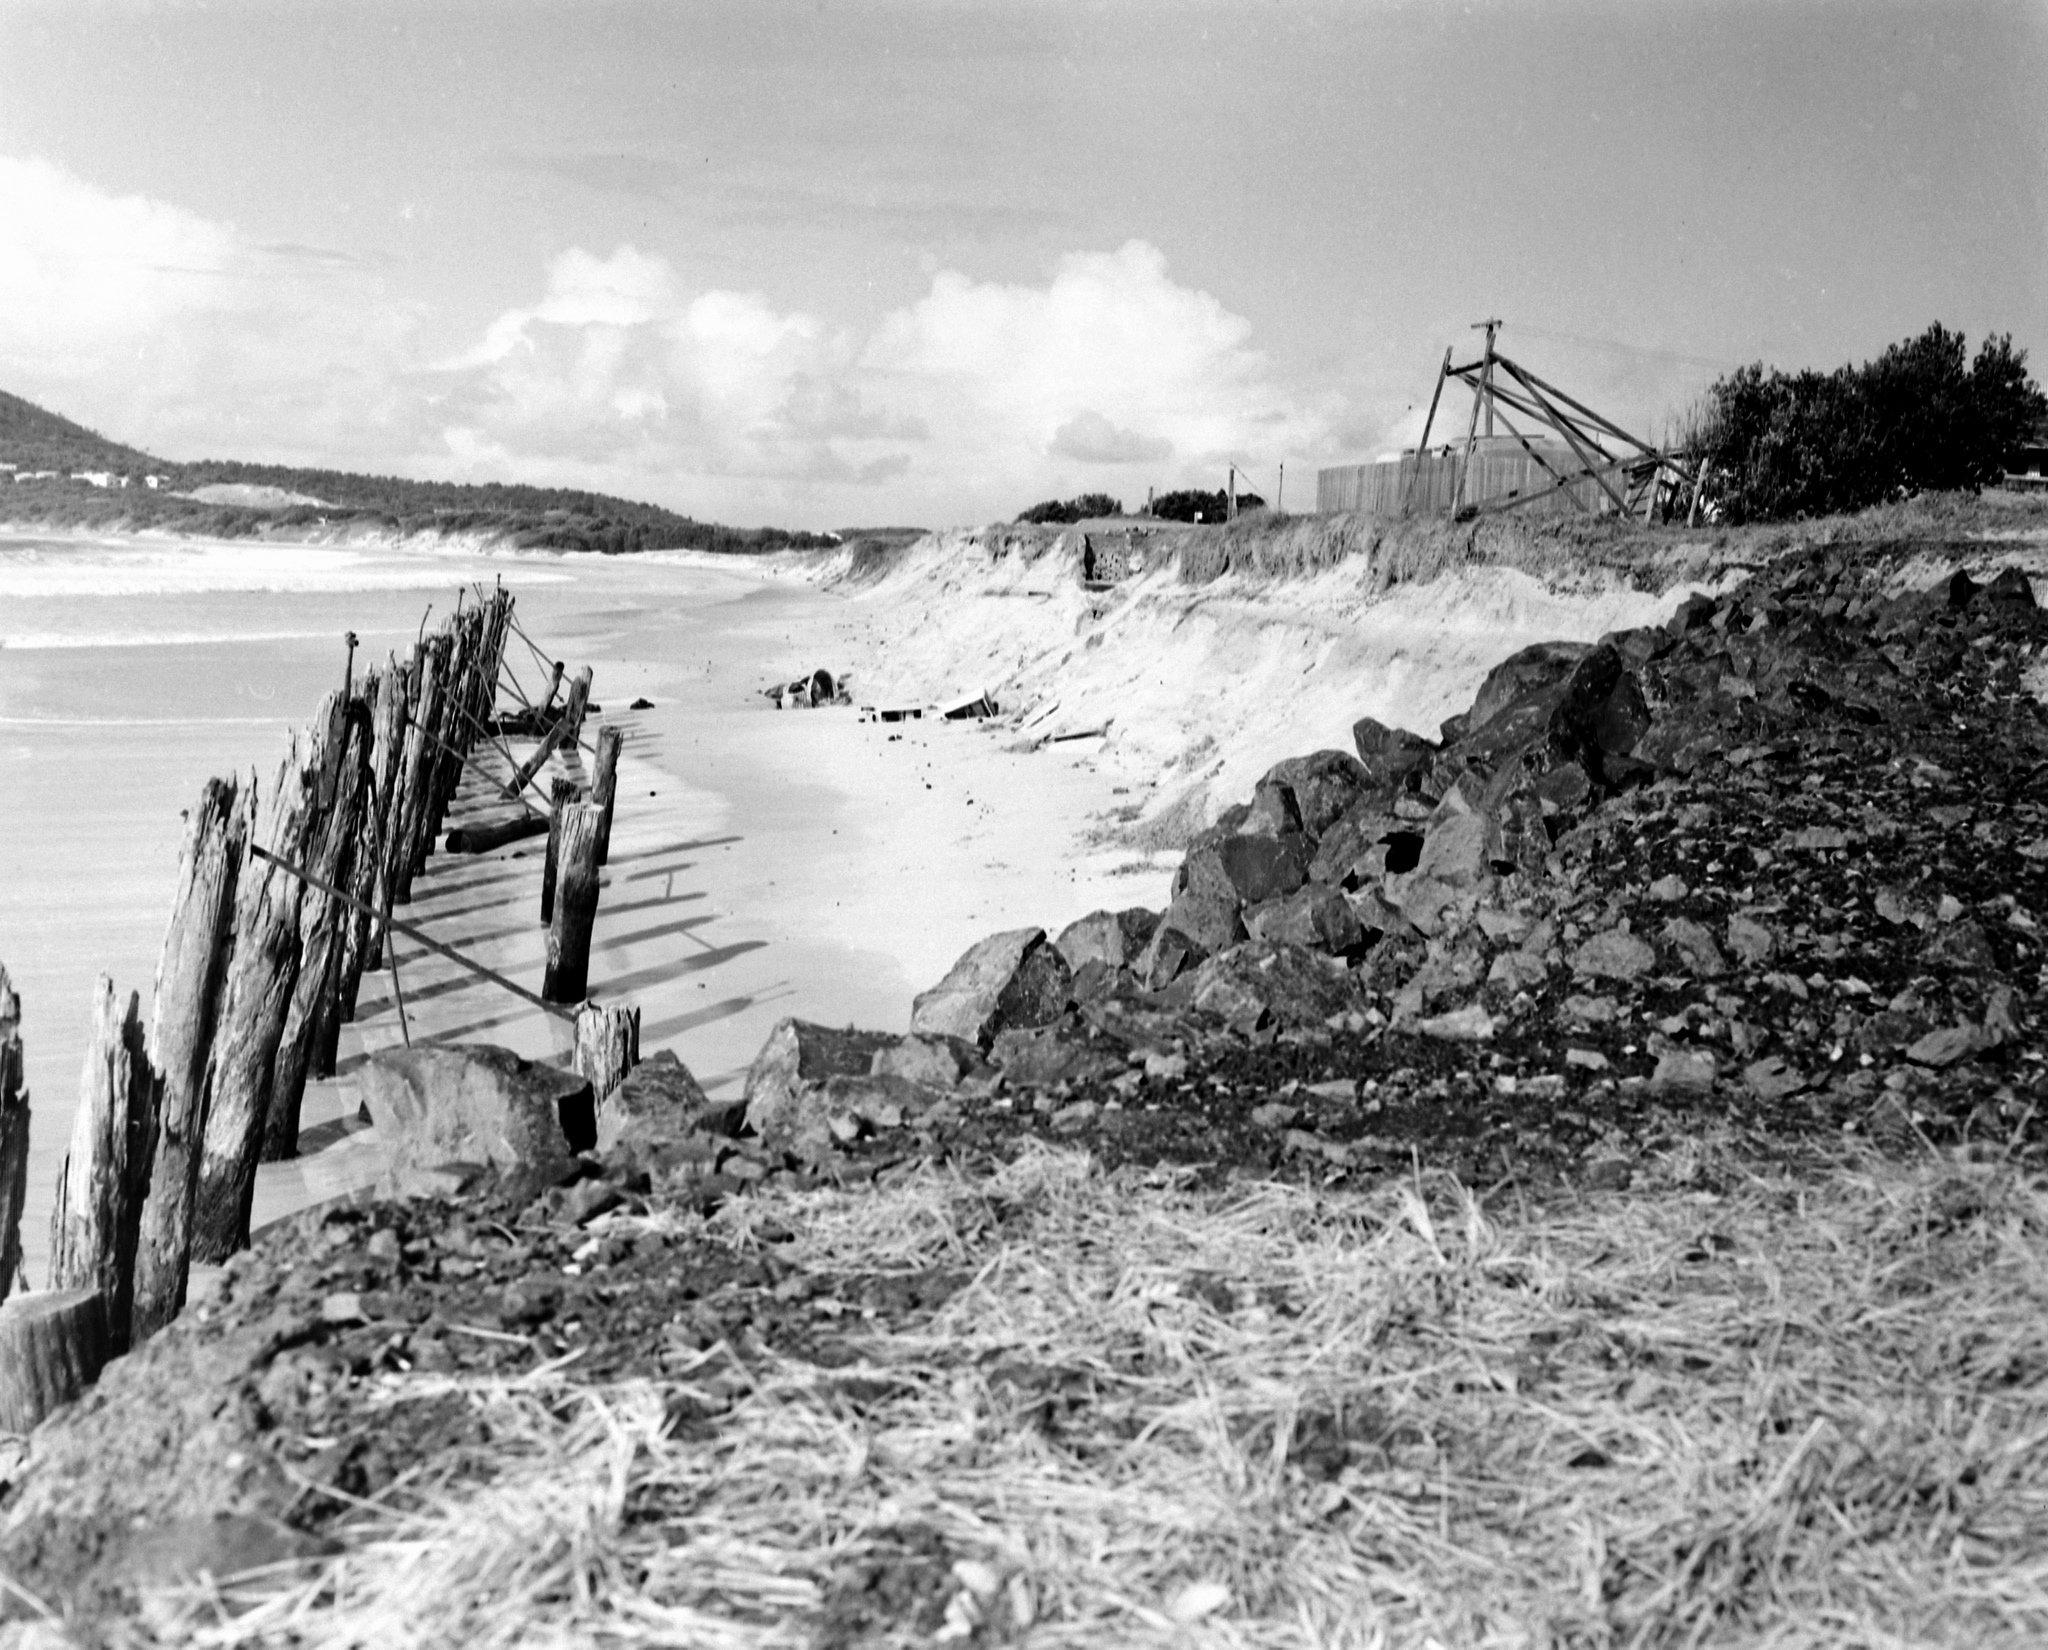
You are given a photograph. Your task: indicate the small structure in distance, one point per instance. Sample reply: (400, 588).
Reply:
(1561, 458)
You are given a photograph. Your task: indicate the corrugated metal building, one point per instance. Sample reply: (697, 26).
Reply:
(1501, 469)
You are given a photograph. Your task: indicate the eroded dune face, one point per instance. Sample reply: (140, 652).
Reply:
(1197, 685)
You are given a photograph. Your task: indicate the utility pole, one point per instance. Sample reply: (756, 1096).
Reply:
(1230, 510)
(1280, 498)
(1486, 370)
(1482, 399)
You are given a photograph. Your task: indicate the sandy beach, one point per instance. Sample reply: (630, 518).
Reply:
(765, 863)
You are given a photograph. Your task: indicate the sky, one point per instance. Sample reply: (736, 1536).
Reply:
(865, 262)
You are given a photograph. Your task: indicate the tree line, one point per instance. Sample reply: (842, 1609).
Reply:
(1924, 416)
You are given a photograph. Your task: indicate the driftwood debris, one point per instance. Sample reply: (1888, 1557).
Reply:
(604, 785)
(575, 913)
(607, 1045)
(94, 1226)
(565, 731)
(481, 839)
(190, 974)
(13, 1135)
(52, 1347)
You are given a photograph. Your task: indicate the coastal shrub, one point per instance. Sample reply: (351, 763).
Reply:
(1921, 417)
(1062, 512)
(1192, 504)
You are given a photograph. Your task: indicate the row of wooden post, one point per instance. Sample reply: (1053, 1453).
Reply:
(260, 968)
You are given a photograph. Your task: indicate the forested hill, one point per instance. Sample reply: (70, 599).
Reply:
(101, 483)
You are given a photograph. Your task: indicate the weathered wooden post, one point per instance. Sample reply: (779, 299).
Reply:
(561, 793)
(52, 1347)
(406, 856)
(190, 975)
(568, 969)
(252, 1015)
(547, 699)
(604, 785)
(360, 941)
(393, 715)
(607, 1045)
(343, 767)
(94, 1226)
(13, 1135)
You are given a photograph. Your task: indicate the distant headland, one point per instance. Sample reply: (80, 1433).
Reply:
(59, 474)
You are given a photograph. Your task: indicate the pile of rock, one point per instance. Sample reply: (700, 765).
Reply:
(1788, 839)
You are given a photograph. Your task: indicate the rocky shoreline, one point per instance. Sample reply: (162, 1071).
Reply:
(1771, 873)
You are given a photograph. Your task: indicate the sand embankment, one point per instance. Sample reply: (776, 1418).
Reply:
(1198, 679)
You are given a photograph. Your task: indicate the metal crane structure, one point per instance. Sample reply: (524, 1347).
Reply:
(1631, 474)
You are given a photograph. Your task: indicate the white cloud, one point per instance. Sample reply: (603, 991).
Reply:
(973, 396)
(173, 330)
(1092, 439)
(85, 271)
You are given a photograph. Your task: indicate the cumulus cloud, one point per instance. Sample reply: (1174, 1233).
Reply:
(973, 395)
(1092, 439)
(85, 271)
(174, 329)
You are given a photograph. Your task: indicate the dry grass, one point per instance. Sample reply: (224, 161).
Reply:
(1788, 1412)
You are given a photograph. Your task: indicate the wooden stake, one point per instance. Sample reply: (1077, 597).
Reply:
(344, 769)
(94, 1225)
(252, 1014)
(13, 1136)
(189, 976)
(407, 855)
(560, 795)
(604, 785)
(568, 970)
(52, 1347)
(607, 1045)
(389, 764)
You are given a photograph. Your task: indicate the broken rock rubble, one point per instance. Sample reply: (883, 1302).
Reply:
(1775, 853)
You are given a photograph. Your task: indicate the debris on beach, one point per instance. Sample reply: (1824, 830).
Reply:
(818, 688)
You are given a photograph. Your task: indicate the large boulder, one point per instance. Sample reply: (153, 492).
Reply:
(792, 1070)
(1317, 916)
(1041, 1056)
(1205, 910)
(1389, 755)
(1258, 868)
(659, 1103)
(1356, 848)
(1113, 937)
(1318, 787)
(1017, 978)
(476, 1103)
(1169, 954)
(1282, 986)
(1535, 670)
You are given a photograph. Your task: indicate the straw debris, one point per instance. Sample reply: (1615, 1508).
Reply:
(1802, 1410)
